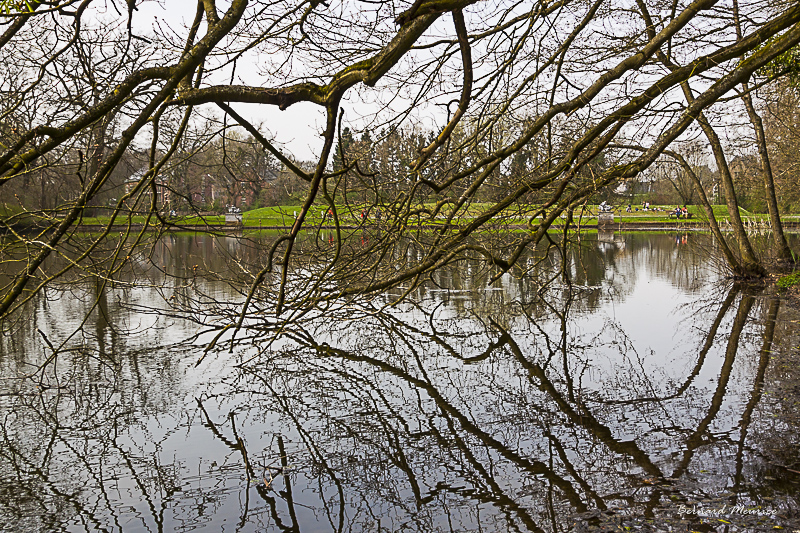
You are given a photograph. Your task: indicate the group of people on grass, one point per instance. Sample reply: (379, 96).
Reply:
(678, 212)
(681, 212)
(645, 207)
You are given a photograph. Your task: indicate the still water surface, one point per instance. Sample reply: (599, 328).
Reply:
(648, 395)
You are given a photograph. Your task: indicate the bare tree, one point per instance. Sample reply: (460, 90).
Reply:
(782, 131)
(782, 250)
(505, 79)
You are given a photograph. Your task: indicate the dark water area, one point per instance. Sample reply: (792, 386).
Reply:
(644, 393)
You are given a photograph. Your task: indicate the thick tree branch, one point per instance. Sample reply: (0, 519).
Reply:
(466, 92)
(368, 71)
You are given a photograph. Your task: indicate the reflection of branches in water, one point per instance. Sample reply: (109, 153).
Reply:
(699, 436)
(758, 386)
(75, 418)
(396, 416)
(452, 414)
(61, 448)
(457, 419)
(476, 411)
(701, 357)
(392, 420)
(238, 444)
(203, 280)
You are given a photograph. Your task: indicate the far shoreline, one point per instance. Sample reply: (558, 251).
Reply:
(233, 228)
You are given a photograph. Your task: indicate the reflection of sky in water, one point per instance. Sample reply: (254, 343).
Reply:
(397, 428)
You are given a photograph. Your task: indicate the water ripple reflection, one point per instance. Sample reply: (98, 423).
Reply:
(652, 399)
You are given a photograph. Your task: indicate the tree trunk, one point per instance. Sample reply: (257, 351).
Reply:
(749, 261)
(782, 249)
(749, 264)
(781, 246)
(736, 266)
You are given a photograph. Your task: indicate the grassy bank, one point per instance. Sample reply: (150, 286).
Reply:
(284, 216)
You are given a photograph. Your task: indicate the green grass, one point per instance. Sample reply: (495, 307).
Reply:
(283, 216)
(788, 281)
(264, 216)
(278, 216)
(698, 214)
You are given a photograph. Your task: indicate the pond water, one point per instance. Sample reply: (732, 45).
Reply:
(644, 394)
